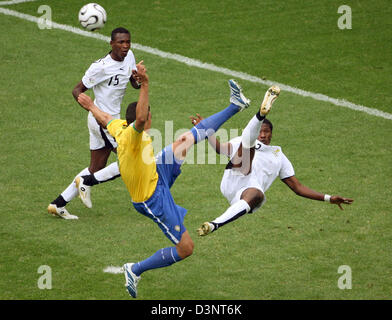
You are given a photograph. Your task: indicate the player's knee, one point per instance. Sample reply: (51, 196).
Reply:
(253, 197)
(258, 197)
(185, 249)
(189, 248)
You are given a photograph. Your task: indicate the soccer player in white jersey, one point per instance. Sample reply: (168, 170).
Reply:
(108, 77)
(254, 165)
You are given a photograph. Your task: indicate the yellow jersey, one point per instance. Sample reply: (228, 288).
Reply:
(136, 159)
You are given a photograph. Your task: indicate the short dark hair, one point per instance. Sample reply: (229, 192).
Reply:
(268, 123)
(130, 114)
(119, 30)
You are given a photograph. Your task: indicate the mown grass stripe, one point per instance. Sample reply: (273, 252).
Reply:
(210, 67)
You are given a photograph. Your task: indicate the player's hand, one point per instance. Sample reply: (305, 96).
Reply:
(85, 101)
(195, 120)
(133, 79)
(141, 73)
(340, 200)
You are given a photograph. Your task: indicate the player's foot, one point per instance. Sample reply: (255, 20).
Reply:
(206, 228)
(269, 98)
(236, 95)
(131, 279)
(84, 192)
(60, 212)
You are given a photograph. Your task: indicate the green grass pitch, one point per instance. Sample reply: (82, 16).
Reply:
(292, 247)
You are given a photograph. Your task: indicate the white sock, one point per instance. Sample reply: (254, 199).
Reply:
(251, 132)
(110, 172)
(233, 212)
(71, 191)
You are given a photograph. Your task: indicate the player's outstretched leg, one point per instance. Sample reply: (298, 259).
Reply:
(210, 125)
(234, 212)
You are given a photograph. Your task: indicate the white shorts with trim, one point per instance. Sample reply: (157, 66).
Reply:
(99, 137)
(234, 183)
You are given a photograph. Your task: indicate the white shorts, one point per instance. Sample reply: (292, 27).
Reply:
(234, 183)
(99, 137)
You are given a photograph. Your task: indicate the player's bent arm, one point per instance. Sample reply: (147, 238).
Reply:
(79, 88)
(87, 103)
(303, 191)
(219, 147)
(102, 117)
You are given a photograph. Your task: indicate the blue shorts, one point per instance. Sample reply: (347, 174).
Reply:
(160, 207)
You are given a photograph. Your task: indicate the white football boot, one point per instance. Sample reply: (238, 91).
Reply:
(131, 279)
(206, 228)
(60, 212)
(84, 192)
(270, 96)
(237, 97)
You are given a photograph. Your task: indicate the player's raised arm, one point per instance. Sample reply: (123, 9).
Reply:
(87, 103)
(303, 191)
(143, 102)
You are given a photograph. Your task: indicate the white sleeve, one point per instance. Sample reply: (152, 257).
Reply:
(235, 143)
(94, 75)
(286, 169)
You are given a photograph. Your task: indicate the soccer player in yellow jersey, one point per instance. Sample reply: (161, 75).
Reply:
(149, 178)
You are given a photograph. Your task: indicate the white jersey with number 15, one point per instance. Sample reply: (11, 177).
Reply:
(109, 79)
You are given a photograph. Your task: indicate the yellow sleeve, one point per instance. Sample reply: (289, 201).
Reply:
(114, 125)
